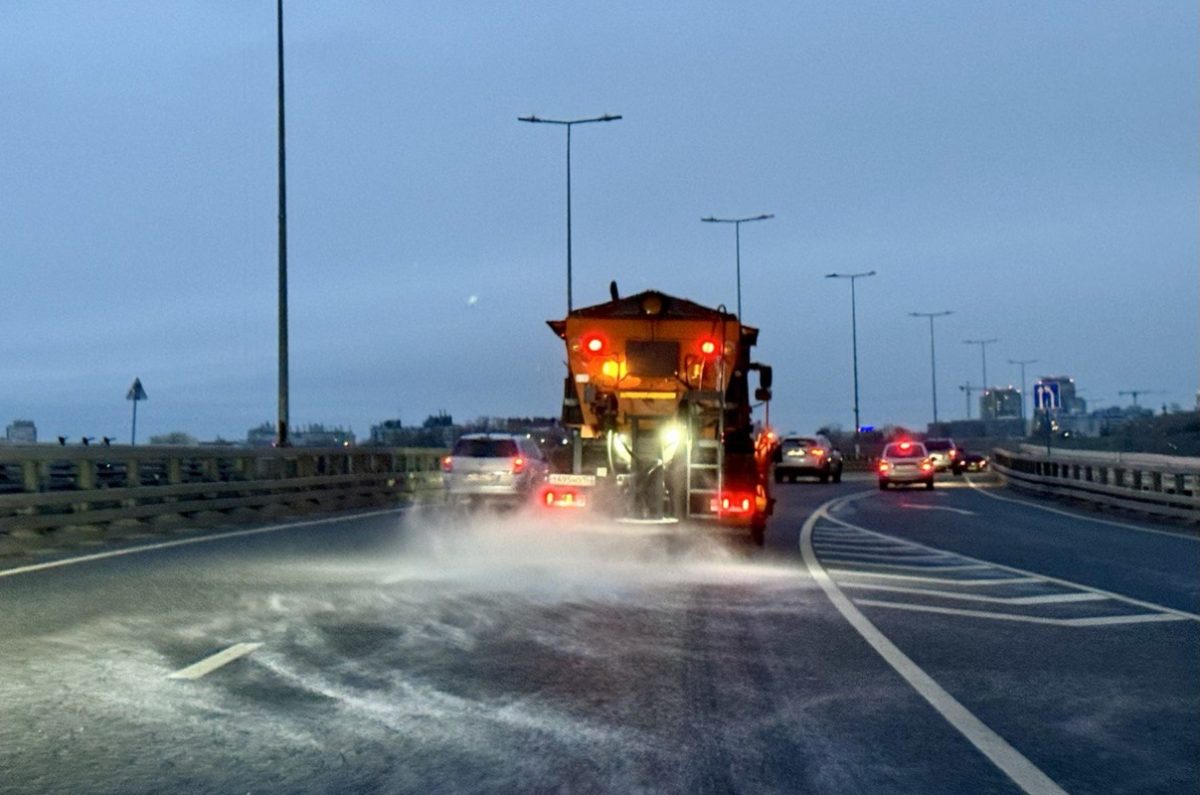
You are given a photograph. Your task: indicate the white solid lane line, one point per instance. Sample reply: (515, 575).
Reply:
(1093, 621)
(116, 553)
(214, 661)
(972, 567)
(1026, 775)
(1081, 517)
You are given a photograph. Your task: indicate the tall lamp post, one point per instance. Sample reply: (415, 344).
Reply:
(568, 123)
(1022, 363)
(281, 432)
(983, 350)
(932, 356)
(737, 236)
(853, 277)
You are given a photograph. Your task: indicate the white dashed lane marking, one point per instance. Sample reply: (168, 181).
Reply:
(215, 661)
(924, 579)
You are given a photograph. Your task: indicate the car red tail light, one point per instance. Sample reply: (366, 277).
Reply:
(884, 466)
(448, 464)
(518, 465)
(926, 466)
(817, 451)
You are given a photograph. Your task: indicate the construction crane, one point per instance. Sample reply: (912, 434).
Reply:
(1135, 392)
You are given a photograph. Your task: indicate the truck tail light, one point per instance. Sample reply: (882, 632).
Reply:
(564, 498)
(733, 504)
(448, 464)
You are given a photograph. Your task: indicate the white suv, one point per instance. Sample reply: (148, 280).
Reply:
(493, 467)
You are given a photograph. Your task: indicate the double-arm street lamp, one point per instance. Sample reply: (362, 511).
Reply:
(853, 277)
(737, 236)
(932, 356)
(1022, 363)
(568, 123)
(982, 350)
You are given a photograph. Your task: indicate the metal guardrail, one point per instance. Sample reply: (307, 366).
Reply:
(1155, 484)
(44, 487)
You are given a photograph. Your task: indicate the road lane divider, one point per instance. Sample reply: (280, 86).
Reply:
(1090, 621)
(1024, 773)
(215, 661)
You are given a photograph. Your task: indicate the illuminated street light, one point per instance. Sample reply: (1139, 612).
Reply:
(932, 357)
(737, 235)
(853, 277)
(568, 123)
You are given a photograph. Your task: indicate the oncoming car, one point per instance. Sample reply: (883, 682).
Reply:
(814, 456)
(905, 462)
(493, 467)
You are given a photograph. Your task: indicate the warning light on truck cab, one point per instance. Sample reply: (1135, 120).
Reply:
(708, 347)
(594, 344)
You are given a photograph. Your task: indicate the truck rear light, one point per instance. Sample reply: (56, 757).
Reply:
(564, 498)
(448, 464)
(518, 465)
(732, 504)
(708, 347)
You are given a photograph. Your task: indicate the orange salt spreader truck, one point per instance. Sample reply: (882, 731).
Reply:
(657, 403)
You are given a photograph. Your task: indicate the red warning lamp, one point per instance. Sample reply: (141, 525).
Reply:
(593, 344)
(709, 347)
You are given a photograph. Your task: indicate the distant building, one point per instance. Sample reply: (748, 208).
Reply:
(261, 436)
(21, 432)
(1000, 403)
(318, 435)
(315, 435)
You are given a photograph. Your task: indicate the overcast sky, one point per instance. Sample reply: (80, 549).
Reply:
(1030, 166)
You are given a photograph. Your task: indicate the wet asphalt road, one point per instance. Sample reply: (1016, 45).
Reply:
(408, 653)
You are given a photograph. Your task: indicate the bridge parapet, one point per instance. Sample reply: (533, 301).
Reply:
(44, 487)
(1155, 484)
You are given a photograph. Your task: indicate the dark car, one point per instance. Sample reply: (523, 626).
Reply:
(973, 462)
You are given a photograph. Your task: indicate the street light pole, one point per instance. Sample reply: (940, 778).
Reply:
(853, 277)
(568, 123)
(737, 237)
(983, 350)
(281, 433)
(932, 356)
(1022, 363)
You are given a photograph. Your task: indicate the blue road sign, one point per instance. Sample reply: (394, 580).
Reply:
(1046, 395)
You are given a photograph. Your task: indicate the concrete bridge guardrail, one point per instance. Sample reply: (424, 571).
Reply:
(1154, 484)
(44, 487)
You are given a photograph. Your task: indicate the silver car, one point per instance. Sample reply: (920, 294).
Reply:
(493, 467)
(813, 456)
